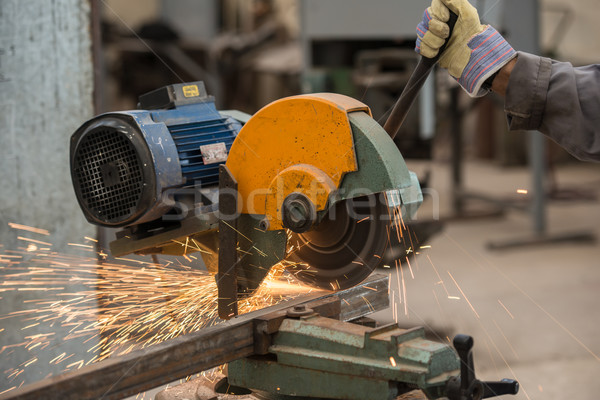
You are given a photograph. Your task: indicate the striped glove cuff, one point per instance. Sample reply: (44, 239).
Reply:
(422, 28)
(489, 53)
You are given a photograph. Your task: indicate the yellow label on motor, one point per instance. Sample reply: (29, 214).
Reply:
(191, 91)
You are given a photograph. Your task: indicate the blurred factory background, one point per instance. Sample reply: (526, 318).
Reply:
(490, 209)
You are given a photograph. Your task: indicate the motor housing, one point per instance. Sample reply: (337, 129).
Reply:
(127, 167)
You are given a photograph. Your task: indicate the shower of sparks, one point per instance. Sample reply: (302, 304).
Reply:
(123, 306)
(128, 304)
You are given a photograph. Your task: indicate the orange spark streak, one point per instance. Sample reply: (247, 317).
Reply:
(464, 295)
(394, 314)
(34, 241)
(8, 390)
(438, 275)
(504, 359)
(489, 350)
(410, 268)
(404, 292)
(30, 362)
(506, 339)
(368, 303)
(79, 363)
(398, 281)
(438, 303)
(29, 229)
(506, 309)
(87, 246)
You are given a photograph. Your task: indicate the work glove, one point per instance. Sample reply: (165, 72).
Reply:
(474, 53)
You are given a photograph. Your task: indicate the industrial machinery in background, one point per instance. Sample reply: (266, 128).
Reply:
(309, 180)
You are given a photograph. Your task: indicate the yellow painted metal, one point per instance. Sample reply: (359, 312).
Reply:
(301, 178)
(311, 130)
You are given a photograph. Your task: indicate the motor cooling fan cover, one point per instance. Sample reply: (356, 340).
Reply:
(112, 171)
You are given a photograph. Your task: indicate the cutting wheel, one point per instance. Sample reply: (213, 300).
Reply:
(345, 247)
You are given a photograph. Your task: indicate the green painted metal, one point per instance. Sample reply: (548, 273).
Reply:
(321, 357)
(381, 167)
(286, 380)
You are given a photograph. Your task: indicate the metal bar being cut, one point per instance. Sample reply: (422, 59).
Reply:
(119, 377)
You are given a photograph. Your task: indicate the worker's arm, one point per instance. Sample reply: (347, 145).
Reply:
(555, 98)
(500, 81)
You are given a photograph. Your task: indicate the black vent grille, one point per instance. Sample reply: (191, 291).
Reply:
(110, 175)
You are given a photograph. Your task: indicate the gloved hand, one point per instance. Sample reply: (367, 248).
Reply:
(474, 53)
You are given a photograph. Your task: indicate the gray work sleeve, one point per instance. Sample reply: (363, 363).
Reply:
(559, 100)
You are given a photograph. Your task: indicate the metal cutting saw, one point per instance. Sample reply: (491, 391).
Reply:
(312, 181)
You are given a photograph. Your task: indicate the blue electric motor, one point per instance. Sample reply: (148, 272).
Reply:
(123, 163)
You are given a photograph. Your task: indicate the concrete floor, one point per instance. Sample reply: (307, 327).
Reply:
(533, 311)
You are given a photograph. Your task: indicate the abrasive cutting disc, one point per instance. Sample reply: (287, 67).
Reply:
(345, 247)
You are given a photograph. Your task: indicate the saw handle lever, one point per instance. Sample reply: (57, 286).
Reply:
(467, 387)
(414, 85)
